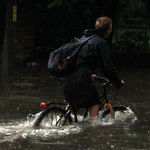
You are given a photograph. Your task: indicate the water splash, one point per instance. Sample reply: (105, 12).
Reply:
(22, 129)
(128, 117)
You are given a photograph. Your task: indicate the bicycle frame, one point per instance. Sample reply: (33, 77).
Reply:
(104, 103)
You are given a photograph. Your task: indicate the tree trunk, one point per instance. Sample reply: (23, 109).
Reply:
(112, 10)
(9, 46)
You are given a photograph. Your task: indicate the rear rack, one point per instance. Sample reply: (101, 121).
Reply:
(45, 104)
(55, 103)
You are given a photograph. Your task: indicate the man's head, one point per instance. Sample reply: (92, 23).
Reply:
(105, 25)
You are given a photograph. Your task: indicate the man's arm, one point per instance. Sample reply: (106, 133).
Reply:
(108, 67)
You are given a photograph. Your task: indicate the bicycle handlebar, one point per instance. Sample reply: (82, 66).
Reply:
(103, 80)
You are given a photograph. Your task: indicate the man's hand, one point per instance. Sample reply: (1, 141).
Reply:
(93, 76)
(122, 81)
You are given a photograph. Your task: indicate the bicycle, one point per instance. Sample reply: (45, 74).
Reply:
(56, 115)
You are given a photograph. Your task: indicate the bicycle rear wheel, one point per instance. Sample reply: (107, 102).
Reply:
(52, 117)
(117, 110)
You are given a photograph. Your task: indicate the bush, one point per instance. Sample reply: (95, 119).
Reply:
(130, 41)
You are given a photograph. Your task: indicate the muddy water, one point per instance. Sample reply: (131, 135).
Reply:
(19, 105)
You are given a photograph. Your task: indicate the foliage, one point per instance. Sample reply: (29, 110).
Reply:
(59, 3)
(130, 41)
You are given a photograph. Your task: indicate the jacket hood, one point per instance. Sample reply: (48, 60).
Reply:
(96, 31)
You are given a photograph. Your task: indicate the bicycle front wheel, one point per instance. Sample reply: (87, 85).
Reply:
(117, 111)
(52, 117)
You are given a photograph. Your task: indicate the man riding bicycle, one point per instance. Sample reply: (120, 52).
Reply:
(78, 87)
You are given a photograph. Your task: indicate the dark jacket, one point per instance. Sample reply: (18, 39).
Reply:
(78, 87)
(96, 54)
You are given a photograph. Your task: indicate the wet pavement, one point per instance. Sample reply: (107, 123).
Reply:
(19, 105)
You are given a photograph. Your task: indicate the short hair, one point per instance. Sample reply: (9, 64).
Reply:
(103, 23)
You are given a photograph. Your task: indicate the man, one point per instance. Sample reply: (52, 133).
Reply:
(78, 87)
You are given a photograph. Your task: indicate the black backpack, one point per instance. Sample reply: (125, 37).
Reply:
(62, 60)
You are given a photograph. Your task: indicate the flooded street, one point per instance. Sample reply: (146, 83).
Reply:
(19, 105)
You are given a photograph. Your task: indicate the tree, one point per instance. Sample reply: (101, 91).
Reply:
(64, 3)
(112, 10)
(9, 46)
(69, 19)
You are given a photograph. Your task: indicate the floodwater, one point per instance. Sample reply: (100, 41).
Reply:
(19, 105)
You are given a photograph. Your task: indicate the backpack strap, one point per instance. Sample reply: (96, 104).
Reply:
(87, 38)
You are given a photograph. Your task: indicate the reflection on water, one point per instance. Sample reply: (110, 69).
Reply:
(24, 92)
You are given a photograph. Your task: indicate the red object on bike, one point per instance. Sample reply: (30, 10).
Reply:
(43, 104)
(60, 68)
